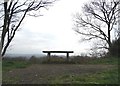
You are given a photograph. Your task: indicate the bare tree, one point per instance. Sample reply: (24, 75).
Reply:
(98, 20)
(12, 13)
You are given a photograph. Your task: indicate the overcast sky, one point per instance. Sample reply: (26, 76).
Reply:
(53, 31)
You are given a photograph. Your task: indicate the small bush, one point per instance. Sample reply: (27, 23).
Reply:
(36, 60)
(115, 48)
(81, 59)
(33, 59)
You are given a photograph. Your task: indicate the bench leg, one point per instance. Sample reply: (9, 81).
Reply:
(67, 56)
(48, 56)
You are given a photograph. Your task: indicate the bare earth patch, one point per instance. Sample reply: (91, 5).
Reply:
(44, 73)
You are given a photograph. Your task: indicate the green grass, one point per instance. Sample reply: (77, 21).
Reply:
(111, 61)
(9, 65)
(105, 77)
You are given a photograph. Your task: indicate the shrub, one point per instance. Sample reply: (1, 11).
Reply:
(115, 48)
(81, 59)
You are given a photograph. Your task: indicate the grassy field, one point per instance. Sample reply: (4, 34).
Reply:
(82, 71)
(9, 65)
(104, 77)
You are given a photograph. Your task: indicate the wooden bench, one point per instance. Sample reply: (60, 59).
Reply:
(49, 53)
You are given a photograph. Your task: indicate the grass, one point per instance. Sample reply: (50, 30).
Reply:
(14, 80)
(9, 65)
(111, 61)
(105, 77)
(62, 74)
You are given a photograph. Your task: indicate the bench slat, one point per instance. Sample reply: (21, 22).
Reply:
(57, 51)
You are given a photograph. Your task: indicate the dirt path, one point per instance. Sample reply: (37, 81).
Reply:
(43, 73)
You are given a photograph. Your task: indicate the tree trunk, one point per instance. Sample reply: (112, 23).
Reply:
(109, 39)
(0, 50)
(4, 29)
